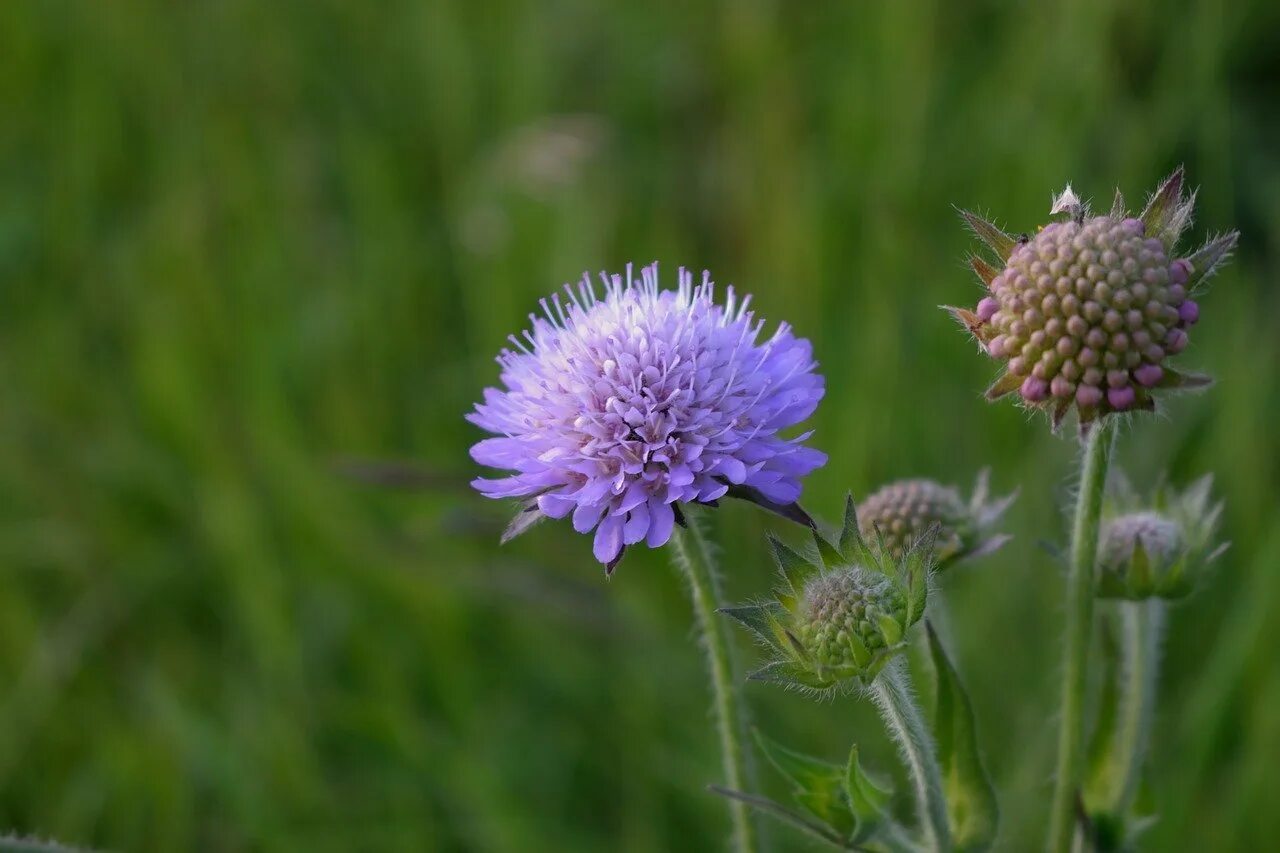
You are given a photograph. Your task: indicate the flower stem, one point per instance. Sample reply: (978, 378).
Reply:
(894, 696)
(1080, 594)
(694, 558)
(1143, 624)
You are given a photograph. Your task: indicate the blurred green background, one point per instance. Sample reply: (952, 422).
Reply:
(244, 243)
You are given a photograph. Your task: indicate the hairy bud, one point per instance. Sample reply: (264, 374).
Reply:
(1086, 314)
(1157, 549)
(901, 511)
(842, 614)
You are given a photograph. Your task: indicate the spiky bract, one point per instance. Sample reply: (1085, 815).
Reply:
(1086, 313)
(1157, 548)
(841, 614)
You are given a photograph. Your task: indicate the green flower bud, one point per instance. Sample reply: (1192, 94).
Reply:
(901, 511)
(842, 614)
(1158, 549)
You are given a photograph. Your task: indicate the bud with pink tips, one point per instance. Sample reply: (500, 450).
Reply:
(1085, 314)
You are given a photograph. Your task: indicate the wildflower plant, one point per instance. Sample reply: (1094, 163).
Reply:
(1085, 316)
(838, 623)
(628, 408)
(622, 408)
(1152, 551)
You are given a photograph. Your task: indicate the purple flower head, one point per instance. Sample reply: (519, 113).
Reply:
(618, 407)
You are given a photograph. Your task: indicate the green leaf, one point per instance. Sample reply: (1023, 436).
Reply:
(817, 785)
(852, 545)
(1168, 213)
(972, 809)
(1207, 259)
(998, 241)
(759, 619)
(1104, 773)
(793, 566)
(913, 573)
(1117, 205)
(1174, 379)
(866, 798)
(788, 674)
(781, 813)
(831, 558)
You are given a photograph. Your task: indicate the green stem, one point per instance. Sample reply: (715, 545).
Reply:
(693, 556)
(1079, 634)
(893, 695)
(1143, 624)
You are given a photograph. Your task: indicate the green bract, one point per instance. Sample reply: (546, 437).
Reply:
(840, 615)
(1157, 548)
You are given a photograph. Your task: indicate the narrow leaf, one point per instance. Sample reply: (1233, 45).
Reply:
(1007, 383)
(791, 512)
(1104, 773)
(998, 241)
(1207, 259)
(523, 521)
(972, 810)
(867, 799)
(756, 618)
(1163, 204)
(793, 566)
(964, 317)
(984, 270)
(850, 539)
(1188, 381)
(1117, 205)
(785, 815)
(831, 558)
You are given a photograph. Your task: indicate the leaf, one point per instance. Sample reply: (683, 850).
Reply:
(964, 317)
(1207, 259)
(781, 813)
(867, 799)
(791, 512)
(1104, 772)
(984, 270)
(1117, 205)
(831, 558)
(998, 241)
(972, 810)
(523, 521)
(788, 674)
(1166, 210)
(759, 619)
(1007, 383)
(913, 573)
(1174, 379)
(793, 566)
(816, 784)
(852, 545)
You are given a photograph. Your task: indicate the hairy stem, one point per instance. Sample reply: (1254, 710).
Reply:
(1143, 624)
(694, 558)
(1079, 634)
(894, 696)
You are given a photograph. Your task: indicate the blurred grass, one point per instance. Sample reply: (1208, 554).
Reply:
(240, 241)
